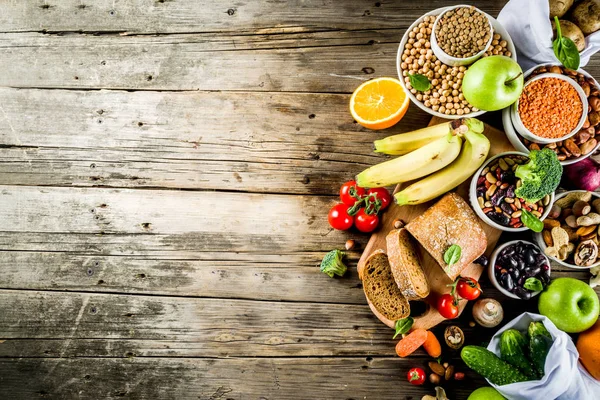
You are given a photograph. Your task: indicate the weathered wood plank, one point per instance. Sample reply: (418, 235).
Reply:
(276, 142)
(142, 16)
(162, 326)
(212, 379)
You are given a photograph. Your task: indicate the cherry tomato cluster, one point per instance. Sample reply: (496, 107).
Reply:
(466, 288)
(359, 207)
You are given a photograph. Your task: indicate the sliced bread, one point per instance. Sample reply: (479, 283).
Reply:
(406, 265)
(381, 290)
(450, 221)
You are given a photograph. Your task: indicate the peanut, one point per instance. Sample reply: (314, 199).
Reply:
(569, 199)
(590, 219)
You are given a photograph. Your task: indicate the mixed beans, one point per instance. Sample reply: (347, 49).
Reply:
(584, 141)
(550, 108)
(463, 32)
(496, 187)
(516, 263)
(445, 95)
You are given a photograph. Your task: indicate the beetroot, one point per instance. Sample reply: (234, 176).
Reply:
(583, 175)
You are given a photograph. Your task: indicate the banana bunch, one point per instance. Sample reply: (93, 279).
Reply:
(435, 153)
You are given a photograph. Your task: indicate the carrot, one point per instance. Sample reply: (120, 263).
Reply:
(411, 342)
(432, 345)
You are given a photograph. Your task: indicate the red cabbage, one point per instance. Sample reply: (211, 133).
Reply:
(584, 175)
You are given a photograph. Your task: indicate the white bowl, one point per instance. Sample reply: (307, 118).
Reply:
(492, 274)
(455, 61)
(513, 135)
(497, 28)
(526, 133)
(479, 211)
(539, 240)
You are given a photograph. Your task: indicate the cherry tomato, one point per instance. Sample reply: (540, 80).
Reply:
(345, 193)
(416, 376)
(366, 222)
(338, 217)
(468, 288)
(447, 306)
(383, 195)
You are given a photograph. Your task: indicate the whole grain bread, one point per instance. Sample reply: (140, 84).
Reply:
(450, 221)
(381, 290)
(406, 265)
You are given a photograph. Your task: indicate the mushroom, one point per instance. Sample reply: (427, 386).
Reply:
(454, 337)
(586, 253)
(488, 313)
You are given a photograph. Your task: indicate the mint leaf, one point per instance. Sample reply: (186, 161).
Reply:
(531, 221)
(565, 49)
(452, 255)
(403, 325)
(419, 82)
(533, 284)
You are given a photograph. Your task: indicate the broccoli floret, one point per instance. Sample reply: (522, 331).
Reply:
(332, 263)
(539, 176)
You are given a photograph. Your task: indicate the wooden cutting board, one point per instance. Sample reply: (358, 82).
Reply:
(438, 280)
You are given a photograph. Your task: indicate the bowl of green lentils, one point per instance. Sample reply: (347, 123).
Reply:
(443, 96)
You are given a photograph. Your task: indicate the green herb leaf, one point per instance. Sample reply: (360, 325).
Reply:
(403, 325)
(419, 82)
(452, 255)
(533, 284)
(531, 221)
(565, 49)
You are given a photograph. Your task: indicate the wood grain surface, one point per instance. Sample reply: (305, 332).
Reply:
(166, 168)
(436, 277)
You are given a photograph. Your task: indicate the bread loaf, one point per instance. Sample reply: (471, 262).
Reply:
(406, 265)
(450, 221)
(381, 290)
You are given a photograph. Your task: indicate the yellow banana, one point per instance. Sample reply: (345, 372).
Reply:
(404, 143)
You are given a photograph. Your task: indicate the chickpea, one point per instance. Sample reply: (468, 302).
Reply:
(442, 109)
(419, 97)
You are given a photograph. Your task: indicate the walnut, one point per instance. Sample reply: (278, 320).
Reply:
(586, 253)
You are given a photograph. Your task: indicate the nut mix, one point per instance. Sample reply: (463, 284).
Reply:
(463, 32)
(445, 95)
(584, 141)
(496, 187)
(550, 108)
(571, 229)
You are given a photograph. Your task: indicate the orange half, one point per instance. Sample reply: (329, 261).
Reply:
(379, 103)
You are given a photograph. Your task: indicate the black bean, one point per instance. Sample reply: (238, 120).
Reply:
(521, 281)
(544, 277)
(521, 264)
(514, 263)
(515, 274)
(510, 191)
(497, 197)
(523, 293)
(529, 257)
(500, 219)
(507, 281)
(482, 260)
(506, 208)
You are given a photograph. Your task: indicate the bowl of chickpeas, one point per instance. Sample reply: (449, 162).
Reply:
(444, 98)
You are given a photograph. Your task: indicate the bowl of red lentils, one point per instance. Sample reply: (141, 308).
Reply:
(492, 193)
(585, 142)
(461, 35)
(415, 56)
(551, 108)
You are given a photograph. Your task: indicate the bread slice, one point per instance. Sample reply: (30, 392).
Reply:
(381, 289)
(450, 221)
(406, 265)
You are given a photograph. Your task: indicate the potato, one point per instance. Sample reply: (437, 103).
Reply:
(558, 8)
(572, 31)
(586, 15)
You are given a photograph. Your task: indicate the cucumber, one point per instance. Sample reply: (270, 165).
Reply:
(513, 347)
(490, 366)
(540, 342)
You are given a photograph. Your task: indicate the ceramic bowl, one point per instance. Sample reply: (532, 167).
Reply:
(477, 208)
(455, 61)
(526, 133)
(497, 28)
(514, 137)
(492, 264)
(539, 240)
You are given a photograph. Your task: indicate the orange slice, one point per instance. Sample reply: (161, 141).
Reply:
(379, 103)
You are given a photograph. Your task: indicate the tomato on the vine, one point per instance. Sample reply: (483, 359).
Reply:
(339, 218)
(382, 195)
(366, 222)
(447, 306)
(416, 376)
(350, 192)
(468, 288)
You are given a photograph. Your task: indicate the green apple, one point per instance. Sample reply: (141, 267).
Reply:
(486, 393)
(571, 304)
(493, 83)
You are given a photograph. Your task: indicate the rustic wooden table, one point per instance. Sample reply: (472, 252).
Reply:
(166, 171)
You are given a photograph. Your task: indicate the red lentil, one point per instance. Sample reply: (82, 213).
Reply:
(550, 108)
